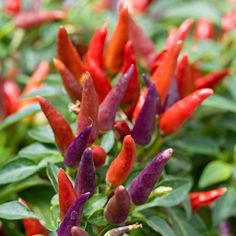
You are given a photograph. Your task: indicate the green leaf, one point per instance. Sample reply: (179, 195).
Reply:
(108, 141)
(224, 207)
(10, 120)
(181, 188)
(42, 134)
(17, 170)
(52, 173)
(215, 172)
(14, 211)
(159, 225)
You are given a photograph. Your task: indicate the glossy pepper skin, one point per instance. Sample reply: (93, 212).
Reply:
(115, 50)
(157, 61)
(88, 108)
(68, 55)
(204, 30)
(108, 108)
(86, 178)
(177, 114)
(117, 208)
(99, 155)
(76, 148)
(121, 129)
(184, 77)
(62, 131)
(130, 98)
(73, 216)
(12, 6)
(145, 122)
(142, 185)
(201, 199)
(26, 20)
(77, 231)
(66, 193)
(121, 166)
(72, 87)
(96, 46)
(211, 80)
(32, 226)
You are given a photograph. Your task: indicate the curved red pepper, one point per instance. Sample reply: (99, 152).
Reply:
(177, 114)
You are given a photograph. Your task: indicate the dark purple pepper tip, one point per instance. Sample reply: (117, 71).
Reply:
(146, 80)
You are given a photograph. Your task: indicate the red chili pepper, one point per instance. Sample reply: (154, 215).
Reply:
(72, 86)
(115, 50)
(204, 30)
(100, 80)
(121, 129)
(66, 193)
(201, 199)
(143, 45)
(229, 21)
(177, 114)
(61, 129)
(184, 77)
(171, 38)
(121, 166)
(9, 96)
(35, 82)
(68, 55)
(31, 19)
(157, 61)
(88, 108)
(32, 226)
(163, 75)
(139, 104)
(140, 5)
(96, 46)
(210, 80)
(12, 6)
(133, 89)
(99, 155)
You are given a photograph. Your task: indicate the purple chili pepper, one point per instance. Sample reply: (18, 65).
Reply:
(86, 178)
(173, 96)
(73, 216)
(225, 229)
(77, 147)
(117, 208)
(122, 230)
(145, 123)
(77, 231)
(142, 185)
(109, 106)
(148, 84)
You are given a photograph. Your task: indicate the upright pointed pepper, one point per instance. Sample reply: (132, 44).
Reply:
(88, 108)
(130, 98)
(68, 55)
(108, 108)
(31, 19)
(142, 185)
(96, 46)
(210, 80)
(157, 61)
(184, 77)
(77, 231)
(121, 129)
(66, 193)
(76, 148)
(117, 208)
(177, 114)
(115, 50)
(121, 166)
(86, 178)
(72, 87)
(204, 30)
(201, 199)
(73, 216)
(62, 131)
(145, 122)
(99, 155)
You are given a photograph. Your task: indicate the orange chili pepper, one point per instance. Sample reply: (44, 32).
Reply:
(61, 129)
(68, 55)
(121, 166)
(210, 80)
(66, 193)
(178, 113)
(184, 77)
(115, 50)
